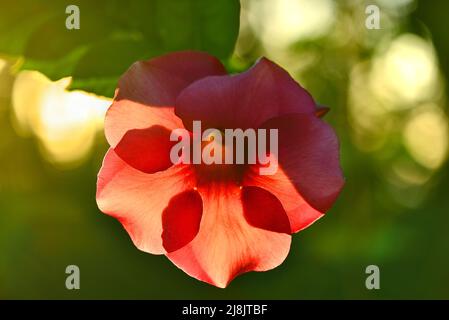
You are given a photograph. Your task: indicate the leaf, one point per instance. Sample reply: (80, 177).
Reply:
(98, 70)
(113, 34)
(103, 86)
(57, 68)
(18, 19)
(52, 40)
(210, 26)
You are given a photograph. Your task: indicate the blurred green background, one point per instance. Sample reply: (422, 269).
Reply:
(387, 90)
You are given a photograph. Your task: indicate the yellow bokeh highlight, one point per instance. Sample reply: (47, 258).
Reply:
(279, 23)
(426, 136)
(406, 73)
(65, 122)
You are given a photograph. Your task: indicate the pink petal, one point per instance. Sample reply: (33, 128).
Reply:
(138, 200)
(147, 92)
(263, 210)
(181, 220)
(245, 100)
(227, 244)
(125, 115)
(299, 212)
(309, 177)
(147, 150)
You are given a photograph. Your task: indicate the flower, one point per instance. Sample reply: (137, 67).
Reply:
(215, 221)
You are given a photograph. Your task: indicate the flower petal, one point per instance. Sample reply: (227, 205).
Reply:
(181, 220)
(147, 150)
(227, 244)
(147, 92)
(245, 100)
(309, 177)
(263, 210)
(138, 199)
(125, 115)
(299, 212)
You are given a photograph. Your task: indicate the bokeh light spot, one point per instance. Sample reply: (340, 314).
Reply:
(426, 137)
(65, 122)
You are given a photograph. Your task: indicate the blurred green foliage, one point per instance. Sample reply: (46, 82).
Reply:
(113, 34)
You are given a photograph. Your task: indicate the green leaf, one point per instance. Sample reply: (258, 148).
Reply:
(103, 86)
(210, 26)
(57, 68)
(113, 34)
(52, 40)
(18, 20)
(98, 70)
